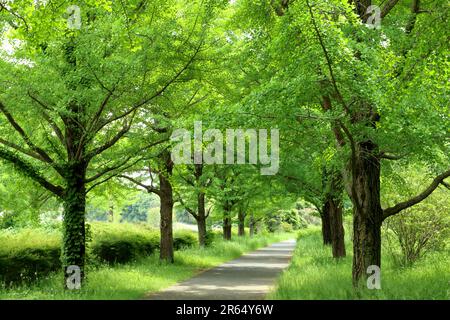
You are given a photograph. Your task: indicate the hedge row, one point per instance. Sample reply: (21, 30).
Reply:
(125, 247)
(32, 254)
(27, 254)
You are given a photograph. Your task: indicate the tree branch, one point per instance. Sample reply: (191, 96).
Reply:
(146, 187)
(28, 170)
(156, 94)
(111, 142)
(40, 153)
(445, 184)
(46, 116)
(327, 58)
(108, 169)
(3, 6)
(99, 183)
(415, 200)
(20, 149)
(388, 7)
(208, 211)
(110, 177)
(415, 10)
(43, 155)
(192, 212)
(384, 155)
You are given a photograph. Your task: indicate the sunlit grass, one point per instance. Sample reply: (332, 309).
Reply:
(314, 274)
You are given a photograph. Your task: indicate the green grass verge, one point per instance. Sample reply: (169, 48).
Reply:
(315, 275)
(146, 275)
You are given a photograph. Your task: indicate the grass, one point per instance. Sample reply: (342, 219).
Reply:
(315, 275)
(13, 241)
(134, 280)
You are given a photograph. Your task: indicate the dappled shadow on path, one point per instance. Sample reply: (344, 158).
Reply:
(248, 277)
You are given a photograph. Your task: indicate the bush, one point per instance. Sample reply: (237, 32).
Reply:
(286, 227)
(272, 224)
(29, 264)
(292, 217)
(7, 220)
(209, 238)
(124, 242)
(29, 254)
(184, 239)
(285, 220)
(420, 229)
(310, 218)
(120, 248)
(415, 232)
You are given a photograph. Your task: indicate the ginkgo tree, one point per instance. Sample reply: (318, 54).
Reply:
(72, 88)
(380, 84)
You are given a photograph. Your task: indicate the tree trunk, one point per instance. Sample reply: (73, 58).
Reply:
(251, 225)
(111, 213)
(367, 211)
(334, 205)
(201, 219)
(226, 228)
(337, 229)
(74, 237)
(326, 228)
(227, 220)
(258, 227)
(166, 211)
(241, 226)
(361, 7)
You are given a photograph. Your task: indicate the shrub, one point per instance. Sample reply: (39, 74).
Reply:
(416, 232)
(28, 254)
(419, 229)
(286, 227)
(121, 243)
(124, 242)
(272, 222)
(308, 213)
(292, 217)
(184, 239)
(7, 220)
(210, 236)
(121, 248)
(280, 220)
(115, 249)
(29, 264)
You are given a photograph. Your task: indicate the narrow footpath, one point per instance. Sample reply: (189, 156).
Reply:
(249, 277)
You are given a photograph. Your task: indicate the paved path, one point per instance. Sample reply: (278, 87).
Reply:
(249, 277)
